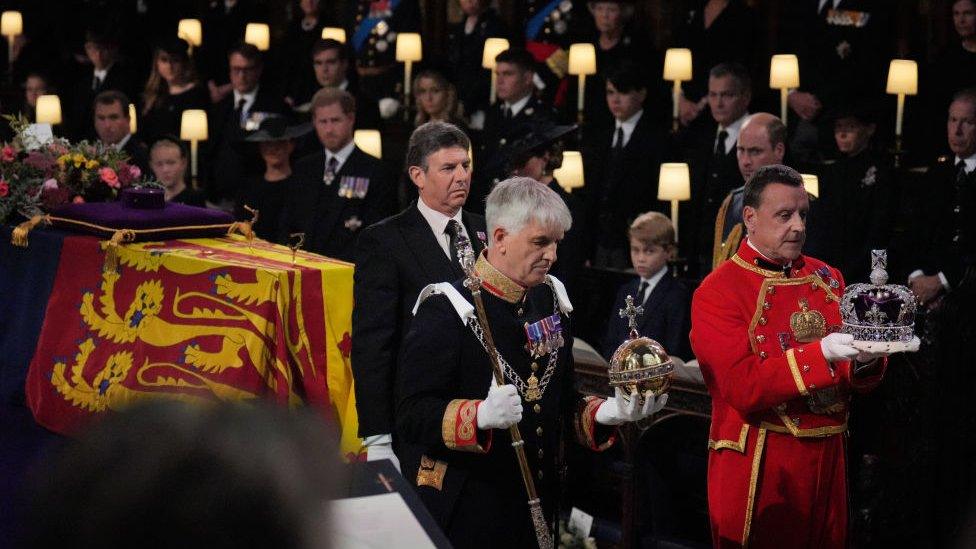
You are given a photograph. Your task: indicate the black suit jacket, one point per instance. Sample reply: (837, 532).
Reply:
(395, 259)
(944, 223)
(712, 179)
(81, 111)
(624, 184)
(332, 222)
(229, 162)
(666, 317)
(138, 154)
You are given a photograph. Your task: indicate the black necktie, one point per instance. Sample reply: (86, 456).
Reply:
(453, 230)
(96, 83)
(640, 292)
(720, 143)
(239, 110)
(619, 141)
(960, 172)
(507, 112)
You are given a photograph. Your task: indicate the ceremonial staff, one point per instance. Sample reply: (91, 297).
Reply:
(473, 283)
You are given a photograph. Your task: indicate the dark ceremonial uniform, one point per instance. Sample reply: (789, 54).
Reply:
(395, 259)
(853, 214)
(729, 230)
(550, 27)
(776, 469)
(372, 27)
(331, 213)
(464, 55)
(469, 478)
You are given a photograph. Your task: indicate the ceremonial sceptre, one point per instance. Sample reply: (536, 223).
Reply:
(473, 283)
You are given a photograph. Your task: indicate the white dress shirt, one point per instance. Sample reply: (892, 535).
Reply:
(438, 225)
(517, 106)
(628, 127)
(733, 130)
(248, 98)
(341, 155)
(651, 283)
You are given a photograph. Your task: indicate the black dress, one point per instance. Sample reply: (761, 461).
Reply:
(164, 117)
(190, 197)
(269, 198)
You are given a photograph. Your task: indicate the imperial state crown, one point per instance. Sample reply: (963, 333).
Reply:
(879, 315)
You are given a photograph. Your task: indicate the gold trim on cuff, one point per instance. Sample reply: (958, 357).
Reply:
(738, 446)
(459, 426)
(795, 370)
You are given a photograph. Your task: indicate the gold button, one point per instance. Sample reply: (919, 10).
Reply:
(806, 367)
(541, 453)
(812, 386)
(762, 320)
(761, 338)
(762, 354)
(537, 408)
(766, 305)
(538, 431)
(535, 366)
(772, 290)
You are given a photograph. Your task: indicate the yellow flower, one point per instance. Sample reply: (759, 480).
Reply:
(92, 164)
(63, 159)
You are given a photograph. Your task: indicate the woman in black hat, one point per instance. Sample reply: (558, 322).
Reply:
(172, 88)
(268, 193)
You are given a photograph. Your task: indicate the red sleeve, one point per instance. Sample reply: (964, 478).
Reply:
(720, 339)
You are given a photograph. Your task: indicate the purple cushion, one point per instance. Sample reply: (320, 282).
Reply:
(172, 221)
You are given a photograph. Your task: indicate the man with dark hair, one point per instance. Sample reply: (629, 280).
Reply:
(780, 384)
(240, 112)
(341, 189)
(626, 164)
(330, 69)
(516, 107)
(761, 142)
(397, 257)
(107, 73)
(712, 155)
(112, 127)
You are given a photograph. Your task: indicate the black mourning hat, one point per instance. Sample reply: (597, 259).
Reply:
(276, 128)
(176, 47)
(532, 136)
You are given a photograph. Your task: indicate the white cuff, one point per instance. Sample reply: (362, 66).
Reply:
(915, 274)
(944, 280)
(375, 440)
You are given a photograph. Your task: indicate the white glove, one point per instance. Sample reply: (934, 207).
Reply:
(388, 107)
(501, 409)
(838, 346)
(382, 451)
(617, 409)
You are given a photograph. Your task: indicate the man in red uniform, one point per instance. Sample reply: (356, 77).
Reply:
(763, 330)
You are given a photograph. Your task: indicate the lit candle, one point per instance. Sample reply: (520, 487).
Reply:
(133, 126)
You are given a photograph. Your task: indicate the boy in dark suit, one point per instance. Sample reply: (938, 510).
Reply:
(665, 300)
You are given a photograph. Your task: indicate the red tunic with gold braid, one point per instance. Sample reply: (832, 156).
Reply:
(776, 469)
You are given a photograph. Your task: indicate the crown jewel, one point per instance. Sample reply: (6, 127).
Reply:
(878, 312)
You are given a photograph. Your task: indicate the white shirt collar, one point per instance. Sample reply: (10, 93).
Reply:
(341, 155)
(248, 98)
(122, 142)
(652, 282)
(733, 130)
(517, 106)
(101, 74)
(628, 127)
(833, 4)
(970, 163)
(438, 223)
